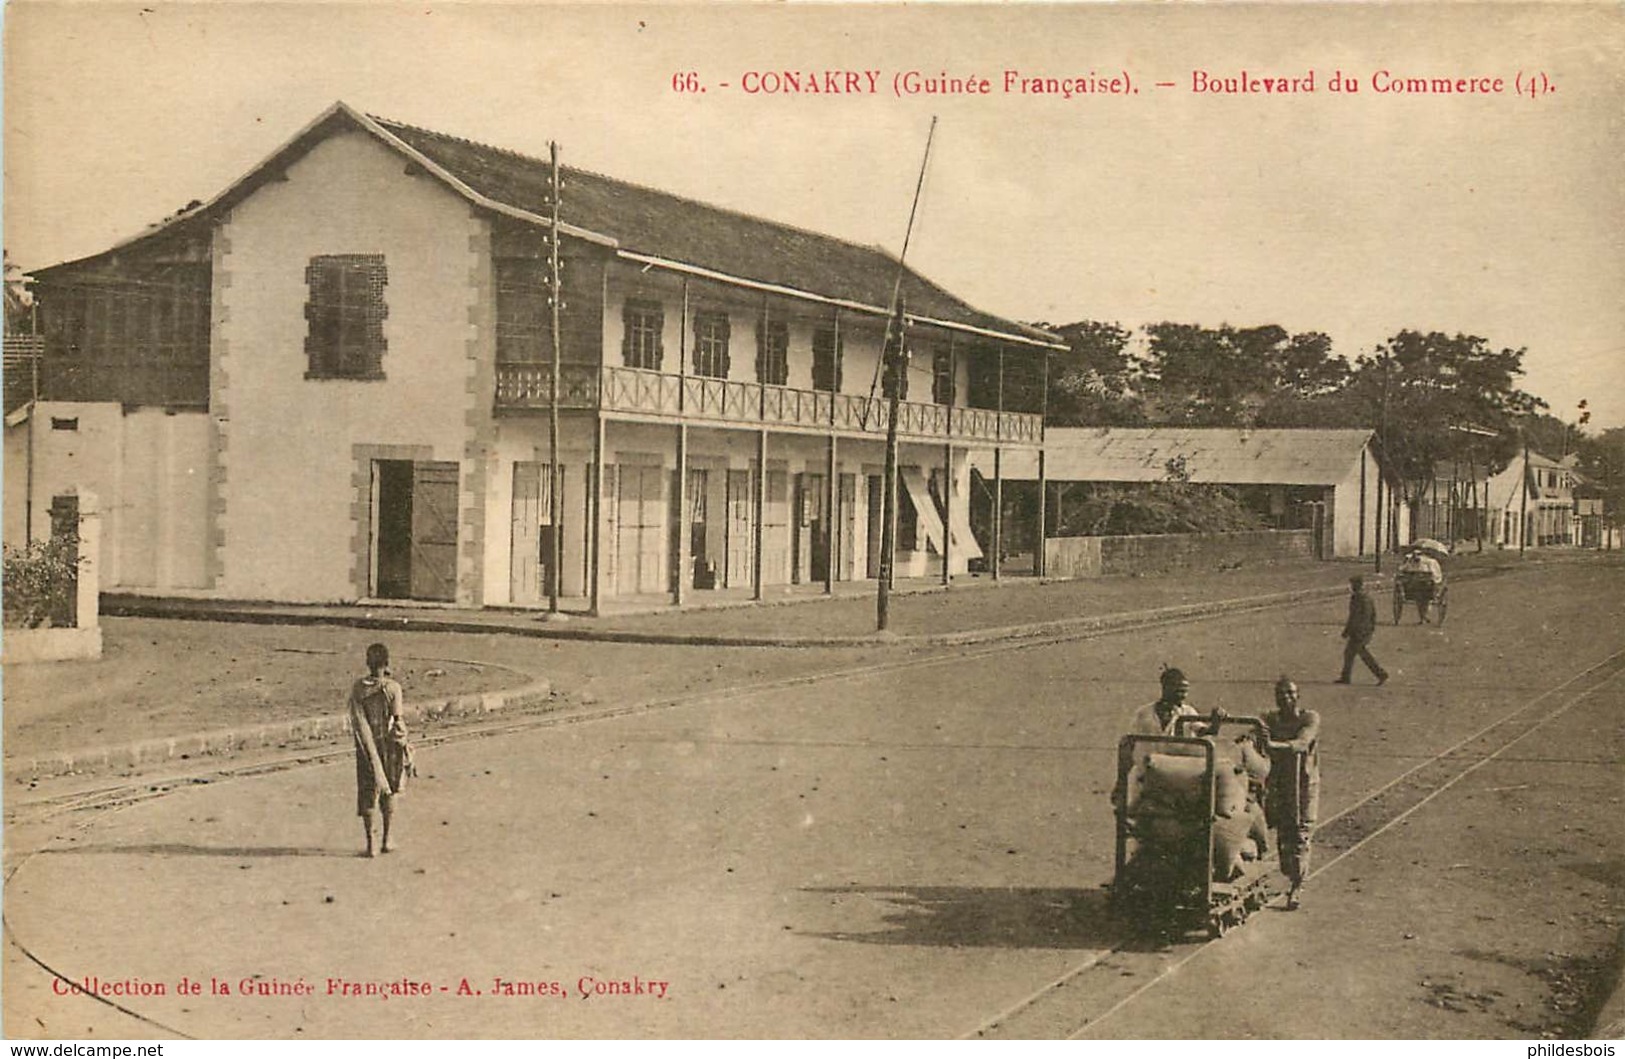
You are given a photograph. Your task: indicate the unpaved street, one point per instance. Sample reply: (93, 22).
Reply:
(913, 850)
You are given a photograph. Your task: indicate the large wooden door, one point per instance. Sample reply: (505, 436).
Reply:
(640, 531)
(776, 530)
(532, 548)
(846, 529)
(741, 548)
(434, 531)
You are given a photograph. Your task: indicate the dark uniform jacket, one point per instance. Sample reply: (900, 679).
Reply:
(1362, 623)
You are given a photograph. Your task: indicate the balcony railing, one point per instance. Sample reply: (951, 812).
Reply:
(526, 387)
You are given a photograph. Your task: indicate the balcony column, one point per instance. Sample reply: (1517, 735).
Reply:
(947, 513)
(1040, 564)
(831, 493)
(998, 509)
(761, 512)
(680, 586)
(998, 478)
(948, 467)
(595, 564)
(682, 351)
(1043, 499)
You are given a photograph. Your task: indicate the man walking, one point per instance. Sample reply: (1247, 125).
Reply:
(1357, 633)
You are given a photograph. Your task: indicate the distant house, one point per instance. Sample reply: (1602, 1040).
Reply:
(1300, 479)
(1532, 503)
(331, 382)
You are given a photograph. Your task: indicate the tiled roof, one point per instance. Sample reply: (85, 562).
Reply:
(1226, 456)
(659, 224)
(638, 220)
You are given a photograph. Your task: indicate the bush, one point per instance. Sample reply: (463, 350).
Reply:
(41, 581)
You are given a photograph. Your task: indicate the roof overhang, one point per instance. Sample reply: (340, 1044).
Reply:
(651, 261)
(314, 131)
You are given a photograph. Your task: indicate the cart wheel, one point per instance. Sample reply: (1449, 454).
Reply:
(1442, 604)
(1399, 602)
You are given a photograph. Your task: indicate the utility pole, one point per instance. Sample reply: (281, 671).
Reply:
(1382, 473)
(555, 299)
(894, 369)
(1523, 508)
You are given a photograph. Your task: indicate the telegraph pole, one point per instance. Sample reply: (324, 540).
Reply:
(555, 299)
(894, 370)
(1523, 507)
(1382, 475)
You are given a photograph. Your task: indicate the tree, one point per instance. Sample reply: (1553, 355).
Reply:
(1602, 464)
(1092, 383)
(1441, 399)
(19, 303)
(1228, 376)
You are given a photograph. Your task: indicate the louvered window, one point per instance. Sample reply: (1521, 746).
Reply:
(826, 360)
(345, 312)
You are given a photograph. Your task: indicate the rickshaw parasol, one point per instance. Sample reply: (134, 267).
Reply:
(1431, 547)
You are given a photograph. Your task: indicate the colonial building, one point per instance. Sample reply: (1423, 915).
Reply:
(1532, 502)
(333, 381)
(1329, 482)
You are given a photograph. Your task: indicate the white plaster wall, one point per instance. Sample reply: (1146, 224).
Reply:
(89, 457)
(164, 499)
(861, 336)
(149, 469)
(288, 461)
(14, 508)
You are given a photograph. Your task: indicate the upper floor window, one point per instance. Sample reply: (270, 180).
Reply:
(826, 360)
(773, 351)
(523, 320)
(640, 342)
(942, 377)
(711, 344)
(346, 313)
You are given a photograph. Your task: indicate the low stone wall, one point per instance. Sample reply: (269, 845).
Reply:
(1071, 558)
(23, 646)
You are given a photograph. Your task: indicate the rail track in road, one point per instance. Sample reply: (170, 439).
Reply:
(118, 795)
(1090, 992)
(1111, 979)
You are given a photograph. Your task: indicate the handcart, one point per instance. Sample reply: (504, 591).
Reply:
(1415, 587)
(1181, 823)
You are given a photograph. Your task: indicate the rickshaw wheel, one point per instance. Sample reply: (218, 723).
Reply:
(1399, 601)
(1442, 603)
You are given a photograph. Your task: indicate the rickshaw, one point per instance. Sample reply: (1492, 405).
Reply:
(1185, 859)
(1412, 586)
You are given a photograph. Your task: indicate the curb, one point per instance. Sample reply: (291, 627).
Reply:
(131, 607)
(226, 741)
(230, 740)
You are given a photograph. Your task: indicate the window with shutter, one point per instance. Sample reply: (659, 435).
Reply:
(345, 311)
(711, 344)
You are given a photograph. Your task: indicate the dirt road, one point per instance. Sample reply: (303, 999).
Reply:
(913, 849)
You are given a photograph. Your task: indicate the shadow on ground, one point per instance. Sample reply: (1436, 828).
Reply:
(180, 849)
(989, 917)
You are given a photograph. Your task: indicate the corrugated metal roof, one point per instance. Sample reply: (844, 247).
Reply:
(1225, 456)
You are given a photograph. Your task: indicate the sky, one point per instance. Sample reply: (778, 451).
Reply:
(1492, 213)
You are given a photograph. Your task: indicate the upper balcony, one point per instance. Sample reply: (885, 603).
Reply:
(640, 393)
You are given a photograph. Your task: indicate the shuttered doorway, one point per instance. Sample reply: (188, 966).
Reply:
(416, 530)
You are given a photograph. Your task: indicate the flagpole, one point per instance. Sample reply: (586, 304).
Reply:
(894, 356)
